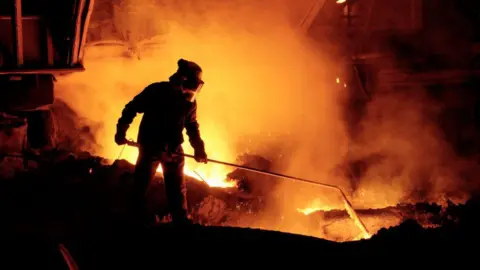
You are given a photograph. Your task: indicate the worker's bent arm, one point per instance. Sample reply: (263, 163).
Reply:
(193, 130)
(137, 105)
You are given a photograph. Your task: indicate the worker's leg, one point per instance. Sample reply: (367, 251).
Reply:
(145, 169)
(176, 189)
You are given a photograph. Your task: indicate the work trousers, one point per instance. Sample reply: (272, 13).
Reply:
(175, 187)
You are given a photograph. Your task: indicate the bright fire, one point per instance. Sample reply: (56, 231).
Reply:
(314, 206)
(308, 210)
(212, 174)
(243, 102)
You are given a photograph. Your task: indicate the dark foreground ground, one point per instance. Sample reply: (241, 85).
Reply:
(77, 203)
(219, 246)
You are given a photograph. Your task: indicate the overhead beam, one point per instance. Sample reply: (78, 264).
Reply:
(52, 70)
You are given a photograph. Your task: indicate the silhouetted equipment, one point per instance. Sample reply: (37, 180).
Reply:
(39, 40)
(43, 37)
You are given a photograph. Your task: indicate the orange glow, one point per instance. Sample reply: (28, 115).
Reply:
(269, 92)
(341, 1)
(316, 205)
(309, 210)
(213, 174)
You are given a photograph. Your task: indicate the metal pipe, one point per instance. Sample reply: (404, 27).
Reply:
(86, 23)
(76, 38)
(17, 28)
(50, 48)
(67, 256)
(348, 205)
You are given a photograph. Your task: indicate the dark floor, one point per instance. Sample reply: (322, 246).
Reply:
(43, 209)
(207, 246)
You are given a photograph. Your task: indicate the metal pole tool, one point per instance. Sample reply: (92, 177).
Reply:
(348, 206)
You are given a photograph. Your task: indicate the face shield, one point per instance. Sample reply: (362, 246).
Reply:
(191, 87)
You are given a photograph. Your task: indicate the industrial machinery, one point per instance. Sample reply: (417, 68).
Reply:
(39, 40)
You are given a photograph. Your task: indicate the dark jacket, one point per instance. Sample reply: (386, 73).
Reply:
(165, 114)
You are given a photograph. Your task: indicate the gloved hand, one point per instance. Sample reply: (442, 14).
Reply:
(120, 139)
(201, 156)
(120, 136)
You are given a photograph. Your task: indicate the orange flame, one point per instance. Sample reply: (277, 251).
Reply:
(213, 175)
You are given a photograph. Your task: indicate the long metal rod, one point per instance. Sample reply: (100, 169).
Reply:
(262, 171)
(348, 205)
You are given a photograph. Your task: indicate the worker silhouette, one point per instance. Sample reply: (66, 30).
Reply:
(168, 107)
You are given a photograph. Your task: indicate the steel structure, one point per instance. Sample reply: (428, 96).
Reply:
(40, 39)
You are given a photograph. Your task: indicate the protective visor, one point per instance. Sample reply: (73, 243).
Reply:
(192, 89)
(195, 84)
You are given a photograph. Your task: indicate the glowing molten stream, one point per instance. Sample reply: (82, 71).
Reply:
(308, 210)
(314, 206)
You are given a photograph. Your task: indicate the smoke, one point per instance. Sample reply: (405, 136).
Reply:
(266, 84)
(267, 87)
(416, 164)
